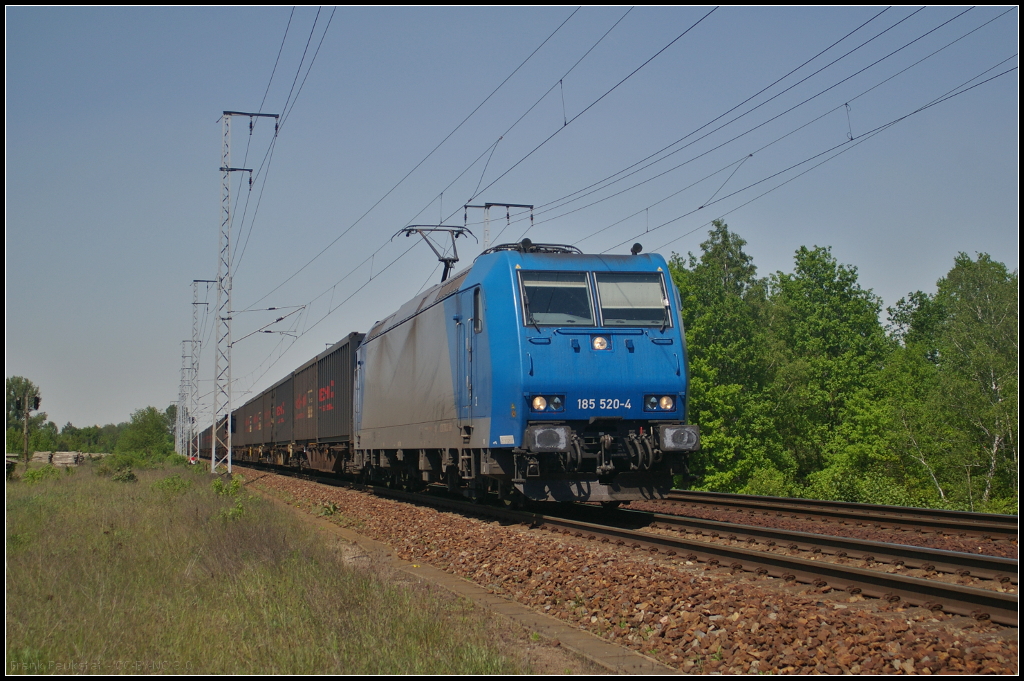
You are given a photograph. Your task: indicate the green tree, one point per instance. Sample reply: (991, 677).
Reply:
(22, 398)
(723, 303)
(953, 383)
(44, 438)
(109, 435)
(170, 419)
(978, 366)
(827, 346)
(799, 389)
(146, 435)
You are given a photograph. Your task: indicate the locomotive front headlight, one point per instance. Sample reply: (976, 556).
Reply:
(666, 403)
(651, 403)
(600, 343)
(539, 403)
(557, 403)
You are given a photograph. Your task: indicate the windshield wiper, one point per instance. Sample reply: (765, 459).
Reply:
(529, 313)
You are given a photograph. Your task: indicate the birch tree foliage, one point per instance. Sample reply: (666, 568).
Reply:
(978, 363)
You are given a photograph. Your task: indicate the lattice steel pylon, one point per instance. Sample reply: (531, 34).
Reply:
(181, 416)
(193, 388)
(222, 316)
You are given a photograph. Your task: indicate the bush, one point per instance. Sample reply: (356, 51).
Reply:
(770, 482)
(173, 485)
(236, 512)
(833, 484)
(1004, 506)
(877, 488)
(230, 490)
(34, 475)
(125, 474)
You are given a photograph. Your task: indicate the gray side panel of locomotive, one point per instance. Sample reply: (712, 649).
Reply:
(407, 396)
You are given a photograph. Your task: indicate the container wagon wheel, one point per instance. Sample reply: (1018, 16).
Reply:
(452, 478)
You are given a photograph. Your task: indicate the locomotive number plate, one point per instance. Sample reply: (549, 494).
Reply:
(605, 404)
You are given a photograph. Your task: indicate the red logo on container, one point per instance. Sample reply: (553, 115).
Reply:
(326, 394)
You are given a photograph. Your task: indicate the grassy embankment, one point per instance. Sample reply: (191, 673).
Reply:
(174, 573)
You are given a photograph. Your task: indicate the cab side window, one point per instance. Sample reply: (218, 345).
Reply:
(478, 311)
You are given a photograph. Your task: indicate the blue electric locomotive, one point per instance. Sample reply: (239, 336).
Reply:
(537, 373)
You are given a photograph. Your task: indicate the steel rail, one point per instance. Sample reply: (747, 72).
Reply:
(1004, 570)
(903, 520)
(931, 594)
(909, 511)
(954, 598)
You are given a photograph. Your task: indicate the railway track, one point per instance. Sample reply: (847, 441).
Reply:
(956, 523)
(1002, 570)
(916, 591)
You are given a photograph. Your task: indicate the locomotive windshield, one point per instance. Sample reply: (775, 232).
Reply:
(559, 298)
(632, 299)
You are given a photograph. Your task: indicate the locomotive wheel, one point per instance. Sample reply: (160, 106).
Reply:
(514, 502)
(511, 498)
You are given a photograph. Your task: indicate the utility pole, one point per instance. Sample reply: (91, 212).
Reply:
(222, 320)
(193, 395)
(26, 410)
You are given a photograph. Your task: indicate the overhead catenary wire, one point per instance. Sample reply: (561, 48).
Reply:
(421, 162)
(516, 122)
(848, 144)
(330, 311)
(277, 61)
(276, 124)
(748, 99)
(490, 149)
(546, 207)
(298, 70)
(549, 208)
(863, 138)
(285, 114)
(593, 103)
(763, 89)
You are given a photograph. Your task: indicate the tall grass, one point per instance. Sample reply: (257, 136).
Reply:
(169, 574)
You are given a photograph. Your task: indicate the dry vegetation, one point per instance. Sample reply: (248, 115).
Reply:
(174, 572)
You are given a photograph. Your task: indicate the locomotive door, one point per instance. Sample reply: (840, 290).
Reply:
(466, 339)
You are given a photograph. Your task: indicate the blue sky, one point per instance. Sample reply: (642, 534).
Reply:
(113, 144)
